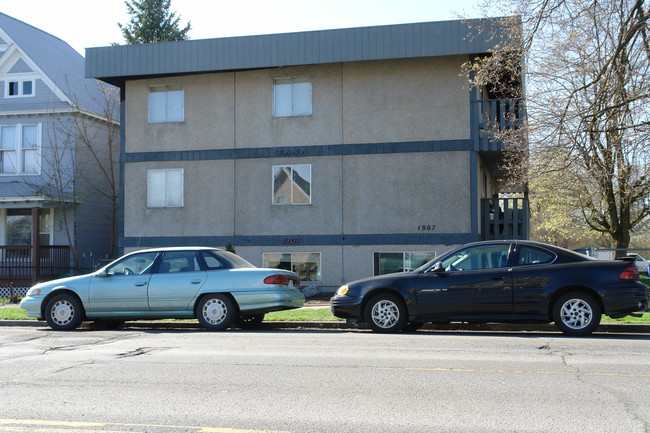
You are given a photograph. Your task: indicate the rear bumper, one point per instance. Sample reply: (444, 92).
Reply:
(626, 299)
(269, 300)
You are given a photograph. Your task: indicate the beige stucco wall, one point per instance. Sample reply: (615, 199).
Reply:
(256, 215)
(396, 193)
(256, 126)
(360, 102)
(405, 100)
(209, 115)
(208, 201)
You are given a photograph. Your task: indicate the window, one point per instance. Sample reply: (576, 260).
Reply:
(165, 187)
(19, 88)
(306, 265)
(211, 260)
(20, 149)
(166, 104)
(18, 226)
(388, 263)
(535, 256)
(292, 184)
(480, 257)
(135, 264)
(291, 97)
(179, 261)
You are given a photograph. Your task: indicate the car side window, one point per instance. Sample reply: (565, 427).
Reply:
(534, 256)
(136, 264)
(178, 261)
(477, 258)
(211, 261)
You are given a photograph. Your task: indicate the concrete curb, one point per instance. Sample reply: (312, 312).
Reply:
(455, 327)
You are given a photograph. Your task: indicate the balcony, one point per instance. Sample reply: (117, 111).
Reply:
(19, 267)
(492, 117)
(504, 218)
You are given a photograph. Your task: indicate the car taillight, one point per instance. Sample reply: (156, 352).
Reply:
(282, 280)
(629, 273)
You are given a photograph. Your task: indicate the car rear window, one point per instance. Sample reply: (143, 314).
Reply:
(535, 256)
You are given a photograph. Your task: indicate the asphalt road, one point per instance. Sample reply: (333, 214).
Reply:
(159, 381)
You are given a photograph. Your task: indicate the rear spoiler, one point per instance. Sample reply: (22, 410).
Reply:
(626, 258)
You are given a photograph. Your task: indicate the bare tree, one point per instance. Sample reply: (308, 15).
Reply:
(587, 70)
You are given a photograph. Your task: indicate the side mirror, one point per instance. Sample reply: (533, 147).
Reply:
(102, 274)
(437, 268)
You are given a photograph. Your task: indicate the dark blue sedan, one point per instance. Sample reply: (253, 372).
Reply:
(500, 281)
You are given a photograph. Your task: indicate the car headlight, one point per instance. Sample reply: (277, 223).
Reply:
(342, 290)
(34, 291)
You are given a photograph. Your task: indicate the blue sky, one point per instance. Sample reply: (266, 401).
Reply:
(93, 23)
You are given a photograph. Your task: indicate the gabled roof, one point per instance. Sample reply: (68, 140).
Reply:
(116, 64)
(57, 63)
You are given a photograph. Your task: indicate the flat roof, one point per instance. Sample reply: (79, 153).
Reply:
(116, 64)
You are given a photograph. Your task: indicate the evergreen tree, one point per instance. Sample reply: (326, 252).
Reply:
(152, 21)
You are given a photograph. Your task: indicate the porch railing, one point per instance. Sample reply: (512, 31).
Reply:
(496, 116)
(504, 218)
(18, 268)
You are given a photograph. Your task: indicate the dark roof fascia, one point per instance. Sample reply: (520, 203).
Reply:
(116, 64)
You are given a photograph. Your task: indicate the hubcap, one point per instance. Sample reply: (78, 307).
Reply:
(385, 314)
(62, 312)
(215, 311)
(576, 314)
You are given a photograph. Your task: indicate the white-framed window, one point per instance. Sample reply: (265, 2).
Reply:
(19, 88)
(306, 265)
(165, 187)
(166, 103)
(292, 184)
(291, 96)
(20, 149)
(391, 262)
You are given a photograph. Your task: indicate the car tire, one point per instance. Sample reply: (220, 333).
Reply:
(576, 314)
(216, 312)
(64, 312)
(250, 322)
(386, 313)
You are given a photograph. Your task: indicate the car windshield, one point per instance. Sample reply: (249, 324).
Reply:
(237, 262)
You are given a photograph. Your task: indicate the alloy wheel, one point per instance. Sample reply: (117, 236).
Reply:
(385, 314)
(576, 313)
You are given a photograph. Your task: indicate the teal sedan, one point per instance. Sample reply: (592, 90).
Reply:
(218, 288)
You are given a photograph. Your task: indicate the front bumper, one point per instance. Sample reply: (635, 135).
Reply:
(346, 307)
(32, 306)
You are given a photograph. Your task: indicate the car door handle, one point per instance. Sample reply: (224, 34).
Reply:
(143, 283)
(195, 281)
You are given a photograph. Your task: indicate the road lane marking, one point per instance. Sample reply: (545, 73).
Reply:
(92, 427)
(478, 370)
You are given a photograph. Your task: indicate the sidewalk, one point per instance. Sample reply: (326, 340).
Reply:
(607, 328)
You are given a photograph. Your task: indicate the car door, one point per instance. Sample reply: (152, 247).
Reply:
(531, 274)
(176, 281)
(473, 282)
(122, 287)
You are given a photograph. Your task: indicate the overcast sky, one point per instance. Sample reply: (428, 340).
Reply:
(93, 23)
